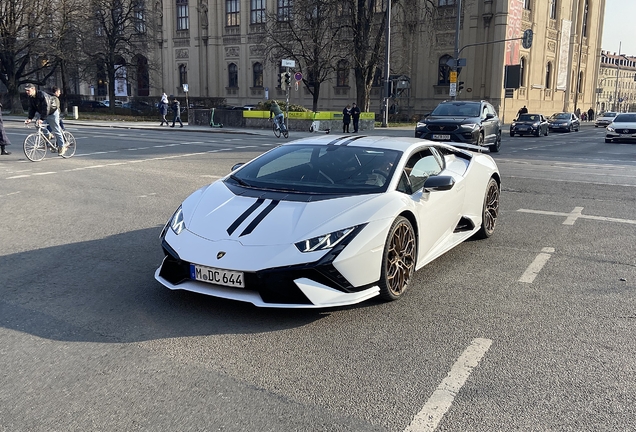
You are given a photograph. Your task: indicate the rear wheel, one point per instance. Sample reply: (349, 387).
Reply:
(276, 129)
(490, 210)
(71, 145)
(546, 132)
(398, 259)
(34, 147)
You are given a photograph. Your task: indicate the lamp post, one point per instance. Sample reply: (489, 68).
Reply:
(387, 69)
(456, 52)
(618, 73)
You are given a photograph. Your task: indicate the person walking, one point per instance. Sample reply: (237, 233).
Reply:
(176, 108)
(522, 110)
(346, 118)
(4, 139)
(47, 107)
(355, 117)
(590, 114)
(163, 109)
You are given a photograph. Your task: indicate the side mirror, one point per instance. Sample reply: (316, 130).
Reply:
(439, 183)
(489, 116)
(237, 166)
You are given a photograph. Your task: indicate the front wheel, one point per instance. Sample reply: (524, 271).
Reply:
(71, 145)
(398, 259)
(496, 146)
(490, 210)
(286, 134)
(608, 141)
(34, 147)
(276, 129)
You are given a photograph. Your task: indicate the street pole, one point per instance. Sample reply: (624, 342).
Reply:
(618, 73)
(387, 69)
(456, 52)
(577, 87)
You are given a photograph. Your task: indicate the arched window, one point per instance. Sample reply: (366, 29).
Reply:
(257, 70)
(183, 75)
(584, 22)
(143, 76)
(342, 74)
(522, 72)
(548, 75)
(527, 4)
(580, 83)
(443, 71)
(232, 75)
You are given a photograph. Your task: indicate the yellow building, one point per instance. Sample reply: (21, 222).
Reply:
(215, 46)
(616, 94)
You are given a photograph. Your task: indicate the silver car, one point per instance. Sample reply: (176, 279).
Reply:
(623, 128)
(605, 119)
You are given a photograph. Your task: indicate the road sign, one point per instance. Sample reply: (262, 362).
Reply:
(288, 63)
(453, 77)
(298, 76)
(527, 39)
(453, 89)
(185, 88)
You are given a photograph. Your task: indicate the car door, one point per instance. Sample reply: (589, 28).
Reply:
(437, 212)
(491, 124)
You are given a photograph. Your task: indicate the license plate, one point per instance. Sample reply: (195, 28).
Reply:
(441, 137)
(217, 276)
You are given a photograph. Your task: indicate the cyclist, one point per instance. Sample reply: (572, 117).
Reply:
(279, 117)
(47, 107)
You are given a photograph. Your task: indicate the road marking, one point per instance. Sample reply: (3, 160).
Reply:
(10, 193)
(442, 398)
(44, 173)
(576, 214)
(533, 269)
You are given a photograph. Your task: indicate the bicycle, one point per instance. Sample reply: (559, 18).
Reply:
(35, 144)
(279, 128)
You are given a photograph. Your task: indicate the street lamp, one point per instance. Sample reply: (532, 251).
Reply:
(387, 69)
(618, 73)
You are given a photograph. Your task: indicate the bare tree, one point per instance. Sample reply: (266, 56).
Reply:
(25, 44)
(309, 32)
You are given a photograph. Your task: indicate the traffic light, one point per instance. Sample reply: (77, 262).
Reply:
(460, 86)
(287, 79)
(282, 82)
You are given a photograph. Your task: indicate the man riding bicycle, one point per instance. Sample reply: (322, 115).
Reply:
(47, 107)
(279, 117)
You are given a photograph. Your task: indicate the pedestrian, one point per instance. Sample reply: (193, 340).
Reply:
(355, 116)
(346, 118)
(584, 116)
(47, 107)
(163, 109)
(176, 109)
(56, 92)
(590, 114)
(578, 112)
(4, 139)
(522, 110)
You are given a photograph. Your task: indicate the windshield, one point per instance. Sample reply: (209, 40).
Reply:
(609, 114)
(457, 109)
(306, 168)
(624, 118)
(528, 117)
(562, 116)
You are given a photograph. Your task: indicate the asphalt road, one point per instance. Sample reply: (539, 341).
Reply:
(532, 329)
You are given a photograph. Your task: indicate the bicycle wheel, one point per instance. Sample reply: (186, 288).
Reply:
(286, 133)
(69, 139)
(276, 130)
(34, 147)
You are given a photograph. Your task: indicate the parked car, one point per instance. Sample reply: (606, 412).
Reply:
(474, 122)
(564, 121)
(139, 107)
(91, 105)
(623, 128)
(118, 103)
(530, 124)
(605, 119)
(260, 234)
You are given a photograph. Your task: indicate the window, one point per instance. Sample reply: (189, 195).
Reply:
(257, 70)
(284, 10)
(232, 75)
(257, 11)
(183, 16)
(140, 16)
(580, 83)
(443, 70)
(584, 22)
(183, 75)
(548, 75)
(522, 72)
(342, 74)
(419, 167)
(446, 2)
(553, 9)
(526, 4)
(232, 13)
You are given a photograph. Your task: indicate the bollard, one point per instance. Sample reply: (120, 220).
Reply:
(75, 112)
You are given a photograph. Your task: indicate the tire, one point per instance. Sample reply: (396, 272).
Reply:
(71, 143)
(546, 132)
(490, 210)
(34, 147)
(608, 141)
(311, 128)
(570, 129)
(286, 134)
(276, 130)
(538, 132)
(398, 259)
(496, 146)
(480, 139)
(512, 134)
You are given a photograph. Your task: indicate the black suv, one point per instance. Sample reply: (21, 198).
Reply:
(472, 122)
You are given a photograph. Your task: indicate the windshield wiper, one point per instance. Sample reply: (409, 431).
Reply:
(239, 181)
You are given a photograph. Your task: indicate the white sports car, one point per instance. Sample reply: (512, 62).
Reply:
(329, 221)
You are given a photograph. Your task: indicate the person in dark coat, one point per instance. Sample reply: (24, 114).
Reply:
(346, 118)
(590, 114)
(176, 109)
(355, 117)
(4, 139)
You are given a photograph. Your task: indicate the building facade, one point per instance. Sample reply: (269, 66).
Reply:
(616, 89)
(215, 47)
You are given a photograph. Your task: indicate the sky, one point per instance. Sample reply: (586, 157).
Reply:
(619, 27)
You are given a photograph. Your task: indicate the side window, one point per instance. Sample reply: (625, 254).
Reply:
(420, 166)
(491, 110)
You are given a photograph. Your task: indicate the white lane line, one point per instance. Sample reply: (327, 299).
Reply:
(570, 216)
(9, 194)
(44, 173)
(533, 269)
(442, 398)
(574, 215)
(211, 176)
(18, 177)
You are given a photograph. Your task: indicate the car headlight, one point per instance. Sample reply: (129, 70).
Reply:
(327, 241)
(471, 126)
(513, 124)
(610, 129)
(176, 222)
(420, 125)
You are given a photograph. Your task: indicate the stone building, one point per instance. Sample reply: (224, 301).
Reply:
(616, 94)
(213, 46)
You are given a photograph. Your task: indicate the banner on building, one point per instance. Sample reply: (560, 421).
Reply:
(513, 30)
(121, 84)
(564, 55)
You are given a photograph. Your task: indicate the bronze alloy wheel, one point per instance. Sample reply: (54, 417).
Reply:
(490, 211)
(398, 263)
